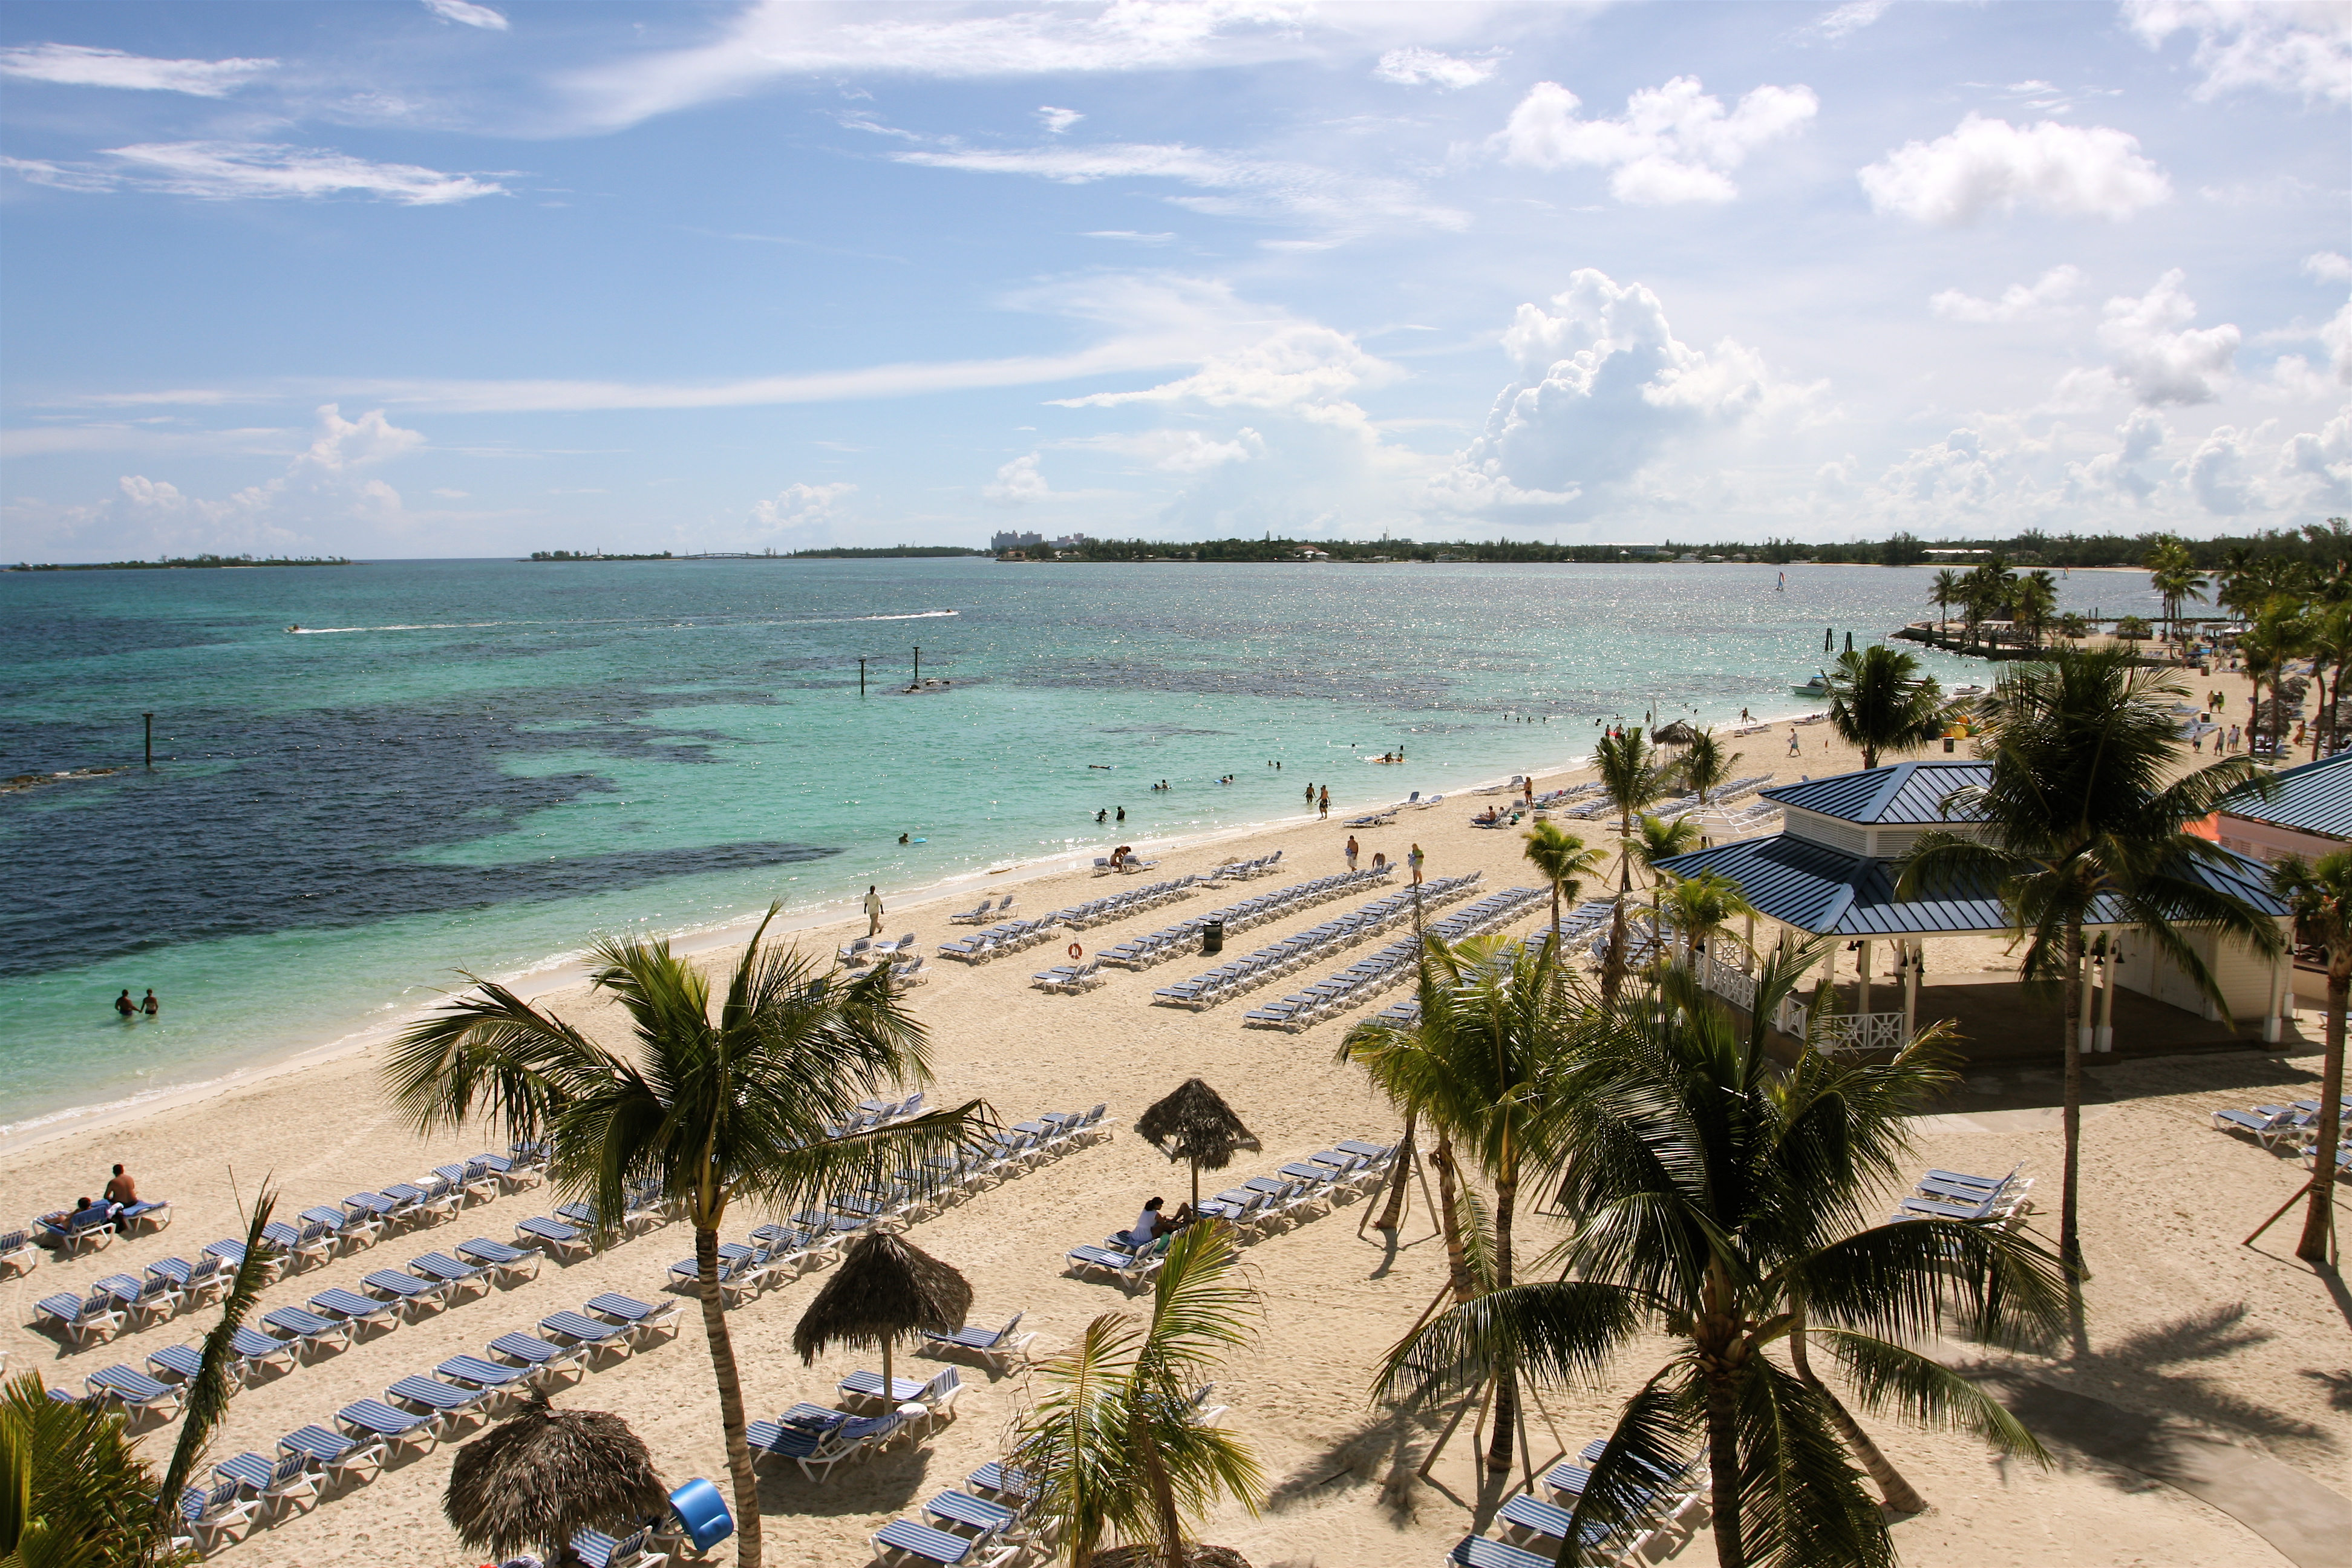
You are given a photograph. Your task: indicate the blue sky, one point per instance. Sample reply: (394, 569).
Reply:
(452, 279)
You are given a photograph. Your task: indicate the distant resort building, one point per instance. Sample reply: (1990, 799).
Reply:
(2309, 812)
(1831, 870)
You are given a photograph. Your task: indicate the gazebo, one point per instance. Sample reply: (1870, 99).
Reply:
(1830, 872)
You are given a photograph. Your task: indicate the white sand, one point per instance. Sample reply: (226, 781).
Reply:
(2182, 1320)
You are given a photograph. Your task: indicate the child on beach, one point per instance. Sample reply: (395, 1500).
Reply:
(1792, 740)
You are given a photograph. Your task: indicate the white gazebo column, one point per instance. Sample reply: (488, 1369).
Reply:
(2085, 1022)
(2281, 969)
(1915, 959)
(2103, 1038)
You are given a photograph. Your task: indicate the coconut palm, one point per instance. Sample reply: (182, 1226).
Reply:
(2080, 823)
(2033, 602)
(1946, 590)
(749, 1104)
(1401, 1062)
(2173, 574)
(2321, 893)
(1881, 701)
(1633, 774)
(74, 1492)
(1702, 906)
(1194, 1124)
(1707, 766)
(1724, 1204)
(1658, 839)
(1115, 1443)
(542, 1476)
(2278, 637)
(1481, 1061)
(2329, 639)
(1563, 861)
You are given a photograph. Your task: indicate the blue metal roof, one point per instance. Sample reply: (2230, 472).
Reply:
(2316, 797)
(1819, 891)
(1903, 793)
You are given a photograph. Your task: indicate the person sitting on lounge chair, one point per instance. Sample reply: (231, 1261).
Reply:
(1119, 857)
(1149, 1226)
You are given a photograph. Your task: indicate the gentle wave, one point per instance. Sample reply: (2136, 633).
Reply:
(422, 626)
(917, 615)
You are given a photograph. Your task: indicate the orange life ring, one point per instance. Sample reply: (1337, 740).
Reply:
(1076, 951)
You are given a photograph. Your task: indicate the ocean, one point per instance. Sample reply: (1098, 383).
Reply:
(480, 765)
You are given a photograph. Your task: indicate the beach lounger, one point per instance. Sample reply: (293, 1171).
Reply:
(180, 1364)
(866, 1388)
(409, 1292)
(643, 1319)
(421, 1205)
(135, 1392)
(81, 1319)
(398, 1429)
(251, 1351)
(507, 1264)
(19, 1253)
(461, 1279)
(2264, 1121)
(286, 1481)
(352, 1229)
(902, 1539)
(70, 1235)
(355, 1309)
(1000, 1348)
(817, 1449)
(591, 1333)
(995, 1482)
(597, 1550)
(985, 1518)
(210, 1517)
(472, 1179)
(231, 1253)
(312, 1331)
(148, 1300)
(446, 1403)
(496, 1378)
(336, 1456)
(544, 1359)
(1993, 1206)
(313, 1243)
(1478, 1551)
(538, 1231)
(146, 1215)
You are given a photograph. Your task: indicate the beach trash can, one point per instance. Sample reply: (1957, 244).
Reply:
(1947, 742)
(1213, 938)
(704, 1513)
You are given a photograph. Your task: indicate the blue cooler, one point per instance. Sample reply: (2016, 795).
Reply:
(704, 1513)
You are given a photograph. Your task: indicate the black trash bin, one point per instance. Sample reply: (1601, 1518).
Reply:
(1213, 938)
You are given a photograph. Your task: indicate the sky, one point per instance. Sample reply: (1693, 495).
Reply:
(448, 278)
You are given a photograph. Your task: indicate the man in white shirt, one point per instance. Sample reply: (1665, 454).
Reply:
(873, 912)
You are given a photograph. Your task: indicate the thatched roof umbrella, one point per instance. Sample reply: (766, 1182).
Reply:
(1677, 733)
(535, 1479)
(1196, 1124)
(884, 1288)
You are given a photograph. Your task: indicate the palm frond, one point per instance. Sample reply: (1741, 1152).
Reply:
(1909, 1278)
(1644, 1448)
(1562, 1331)
(209, 1390)
(1892, 1380)
(1801, 1502)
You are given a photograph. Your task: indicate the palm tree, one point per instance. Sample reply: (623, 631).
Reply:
(1563, 861)
(2321, 894)
(1947, 590)
(1701, 907)
(1881, 701)
(2173, 574)
(2078, 824)
(2033, 602)
(749, 1104)
(74, 1492)
(1721, 1202)
(1658, 839)
(1482, 1059)
(1634, 772)
(1707, 766)
(2329, 640)
(1115, 1442)
(2275, 639)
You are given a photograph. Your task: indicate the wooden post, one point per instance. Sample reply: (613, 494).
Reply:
(918, 667)
(151, 739)
(861, 678)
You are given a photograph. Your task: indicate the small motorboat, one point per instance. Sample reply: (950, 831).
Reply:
(1817, 688)
(1969, 693)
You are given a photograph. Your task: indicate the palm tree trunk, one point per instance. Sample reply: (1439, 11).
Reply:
(730, 1399)
(1164, 1498)
(1507, 1383)
(2070, 1243)
(1899, 1493)
(2312, 1247)
(1401, 1168)
(1722, 1472)
(1449, 1219)
(1612, 968)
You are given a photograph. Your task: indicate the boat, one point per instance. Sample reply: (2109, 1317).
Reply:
(1818, 687)
(1970, 692)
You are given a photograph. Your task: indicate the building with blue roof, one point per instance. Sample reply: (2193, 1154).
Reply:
(2307, 811)
(1832, 871)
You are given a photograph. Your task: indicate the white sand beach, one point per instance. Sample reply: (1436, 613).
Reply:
(2242, 1345)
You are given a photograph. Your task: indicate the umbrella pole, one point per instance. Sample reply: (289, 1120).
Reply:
(889, 1396)
(1196, 1187)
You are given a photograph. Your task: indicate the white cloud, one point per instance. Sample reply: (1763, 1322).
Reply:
(1675, 143)
(2322, 462)
(2216, 473)
(322, 485)
(2337, 335)
(1851, 17)
(230, 171)
(2018, 302)
(1299, 368)
(2299, 46)
(76, 65)
(2158, 354)
(1178, 451)
(2120, 473)
(2328, 266)
(1417, 67)
(464, 11)
(1603, 388)
(1246, 186)
(801, 505)
(1128, 234)
(1016, 483)
(1989, 166)
(1057, 121)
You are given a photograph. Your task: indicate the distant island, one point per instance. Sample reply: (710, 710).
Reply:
(832, 553)
(592, 556)
(182, 563)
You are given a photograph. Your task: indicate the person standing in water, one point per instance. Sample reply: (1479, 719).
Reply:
(150, 1006)
(1326, 807)
(125, 1006)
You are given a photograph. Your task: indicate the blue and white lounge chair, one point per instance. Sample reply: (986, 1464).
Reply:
(598, 1550)
(566, 1240)
(136, 1392)
(904, 1538)
(643, 1319)
(148, 1300)
(19, 1254)
(592, 1332)
(446, 1403)
(508, 1264)
(83, 1319)
(412, 1294)
(215, 1516)
(312, 1331)
(545, 1360)
(70, 1234)
(866, 1388)
(352, 1307)
(1000, 1348)
(397, 1428)
(1478, 1551)
(497, 1379)
(285, 1482)
(461, 1278)
(336, 1456)
(2263, 1121)
(146, 1215)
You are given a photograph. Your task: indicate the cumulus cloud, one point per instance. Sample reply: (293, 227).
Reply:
(1676, 142)
(233, 171)
(74, 65)
(1417, 67)
(1299, 368)
(1603, 387)
(2337, 336)
(2158, 354)
(2320, 461)
(2018, 302)
(1017, 483)
(2298, 47)
(1989, 166)
(2120, 474)
(1057, 121)
(2216, 473)
(1179, 452)
(470, 15)
(800, 505)
(324, 485)
(2328, 266)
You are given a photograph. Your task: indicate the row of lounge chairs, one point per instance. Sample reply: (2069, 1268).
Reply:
(1300, 1190)
(1534, 1524)
(1119, 905)
(2291, 1128)
(988, 1524)
(982, 915)
(817, 1438)
(1573, 926)
(1244, 870)
(414, 1414)
(1955, 1195)
(868, 950)
(1175, 941)
(1371, 976)
(1251, 971)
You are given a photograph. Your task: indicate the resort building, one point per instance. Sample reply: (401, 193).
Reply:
(1831, 870)
(2308, 813)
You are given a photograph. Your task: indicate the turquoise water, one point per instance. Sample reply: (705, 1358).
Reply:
(478, 765)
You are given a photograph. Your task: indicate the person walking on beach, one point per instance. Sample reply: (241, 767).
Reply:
(1354, 850)
(873, 912)
(1527, 786)
(1792, 740)
(150, 1006)
(125, 1006)
(1412, 858)
(1326, 801)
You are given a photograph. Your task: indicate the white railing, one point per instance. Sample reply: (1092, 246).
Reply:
(1863, 1032)
(1731, 985)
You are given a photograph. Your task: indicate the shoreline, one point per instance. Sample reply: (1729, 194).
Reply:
(567, 969)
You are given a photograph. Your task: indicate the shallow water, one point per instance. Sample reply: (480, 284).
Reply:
(478, 765)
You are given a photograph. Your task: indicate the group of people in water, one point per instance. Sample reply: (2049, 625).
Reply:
(128, 1009)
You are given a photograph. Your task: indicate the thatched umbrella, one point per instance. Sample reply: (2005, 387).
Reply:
(1196, 1124)
(537, 1479)
(883, 1290)
(1677, 733)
